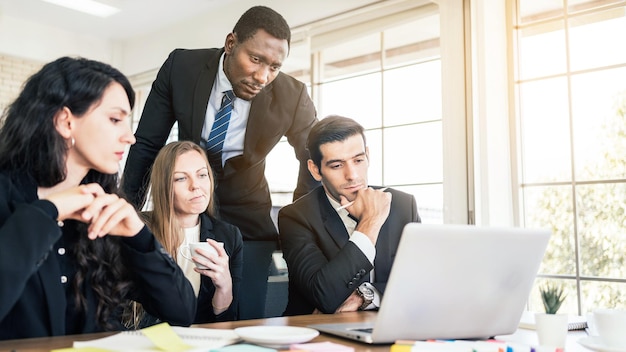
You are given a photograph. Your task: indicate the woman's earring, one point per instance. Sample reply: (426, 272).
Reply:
(73, 142)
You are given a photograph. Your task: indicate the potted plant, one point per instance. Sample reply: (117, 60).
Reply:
(552, 327)
(552, 297)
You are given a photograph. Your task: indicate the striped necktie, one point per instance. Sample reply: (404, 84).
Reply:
(215, 142)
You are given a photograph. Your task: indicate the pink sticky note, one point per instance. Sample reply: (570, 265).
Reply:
(321, 347)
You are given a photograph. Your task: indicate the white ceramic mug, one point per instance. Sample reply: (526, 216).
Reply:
(189, 250)
(611, 327)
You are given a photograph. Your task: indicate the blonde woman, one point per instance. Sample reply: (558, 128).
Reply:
(182, 195)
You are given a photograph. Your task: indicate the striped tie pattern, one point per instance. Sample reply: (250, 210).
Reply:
(215, 142)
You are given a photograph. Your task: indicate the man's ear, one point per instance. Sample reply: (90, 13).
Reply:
(314, 170)
(229, 43)
(63, 122)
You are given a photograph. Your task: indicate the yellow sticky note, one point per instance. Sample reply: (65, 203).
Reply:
(164, 338)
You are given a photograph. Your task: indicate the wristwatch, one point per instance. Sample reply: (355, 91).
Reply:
(367, 294)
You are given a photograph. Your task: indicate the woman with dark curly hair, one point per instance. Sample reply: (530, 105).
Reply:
(72, 252)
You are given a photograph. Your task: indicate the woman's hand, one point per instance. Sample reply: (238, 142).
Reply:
(72, 202)
(219, 272)
(105, 213)
(112, 215)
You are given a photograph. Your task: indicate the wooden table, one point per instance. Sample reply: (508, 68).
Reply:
(48, 343)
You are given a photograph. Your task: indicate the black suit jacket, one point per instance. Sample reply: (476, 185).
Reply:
(180, 94)
(324, 266)
(35, 253)
(231, 237)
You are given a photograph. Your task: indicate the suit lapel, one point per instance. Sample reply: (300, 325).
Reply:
(258, 122)
(202, 92)
(206, 228)
(49, 274)
(332, 221)
(260, 129)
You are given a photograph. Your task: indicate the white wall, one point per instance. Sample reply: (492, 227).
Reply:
(204, 31)
(43, 43)
(35, 41)
(209, 30)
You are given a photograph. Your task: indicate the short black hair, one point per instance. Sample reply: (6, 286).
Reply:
(333, 128)
(262, 17)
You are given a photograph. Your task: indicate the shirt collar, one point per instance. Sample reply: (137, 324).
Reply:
(222, 82)
(343, 214)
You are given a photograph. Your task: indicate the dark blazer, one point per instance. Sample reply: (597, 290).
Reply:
(180, 94)
(35, 256)
(231, 237)
(324, 266)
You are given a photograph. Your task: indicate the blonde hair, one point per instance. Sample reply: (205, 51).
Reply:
(163, 222)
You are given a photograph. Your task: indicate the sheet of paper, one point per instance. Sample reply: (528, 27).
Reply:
(200, 339)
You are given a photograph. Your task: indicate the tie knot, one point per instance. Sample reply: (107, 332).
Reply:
(228, 96)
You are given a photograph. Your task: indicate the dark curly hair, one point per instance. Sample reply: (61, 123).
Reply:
(30, 144)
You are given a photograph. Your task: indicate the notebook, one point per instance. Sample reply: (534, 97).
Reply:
(575, 322)
(453, 282)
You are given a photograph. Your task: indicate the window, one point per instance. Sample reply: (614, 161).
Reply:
(570, 95)
(389, 79)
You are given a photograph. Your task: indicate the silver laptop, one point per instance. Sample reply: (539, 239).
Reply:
(453, 282)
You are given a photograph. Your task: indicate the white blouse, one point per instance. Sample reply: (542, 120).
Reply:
(192, 234)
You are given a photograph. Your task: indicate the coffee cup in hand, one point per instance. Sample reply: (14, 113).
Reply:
(189, 250)
(610, 325)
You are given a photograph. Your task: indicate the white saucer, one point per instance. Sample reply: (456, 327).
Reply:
(594, 343)
(276, 336)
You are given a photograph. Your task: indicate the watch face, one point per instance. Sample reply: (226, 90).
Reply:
(366, 292)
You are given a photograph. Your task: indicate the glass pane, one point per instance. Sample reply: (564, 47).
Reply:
(569, 306)
(419, 84)
(599, 105)
(298, 63)
(602, 295)
(535, 10)
(374, 142)
(413, 154)
(544, 124)
(281, 171)
(552, 208)
(352, 57)
(601, 210)
(429, 199)
(541, 50)
(358, 98)
(591, 41)
(422, 43)
(582, 5)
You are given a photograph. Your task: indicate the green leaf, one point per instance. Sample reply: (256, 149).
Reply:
(552, 297)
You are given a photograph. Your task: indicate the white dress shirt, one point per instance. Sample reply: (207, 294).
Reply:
(363, 242)
(233, 143)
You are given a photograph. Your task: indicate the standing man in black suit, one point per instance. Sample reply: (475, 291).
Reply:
(267, 105)
(340, 240)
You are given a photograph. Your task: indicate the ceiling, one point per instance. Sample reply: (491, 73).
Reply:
(139, 17)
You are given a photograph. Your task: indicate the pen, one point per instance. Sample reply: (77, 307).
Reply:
(350, 203)
(345, 206)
